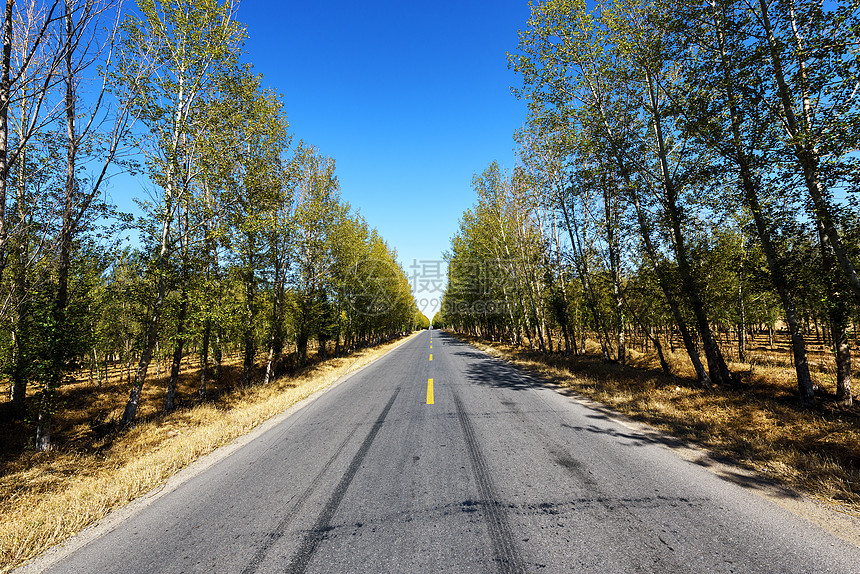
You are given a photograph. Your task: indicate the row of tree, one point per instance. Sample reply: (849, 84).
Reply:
(688, 166)
(242, 244)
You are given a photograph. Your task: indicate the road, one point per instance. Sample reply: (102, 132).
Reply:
(499, 474)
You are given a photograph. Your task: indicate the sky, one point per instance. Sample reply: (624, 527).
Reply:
(410, 98)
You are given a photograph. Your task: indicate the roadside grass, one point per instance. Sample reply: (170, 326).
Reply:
(45, 498)
(761, 425)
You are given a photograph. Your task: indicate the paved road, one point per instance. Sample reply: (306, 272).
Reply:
(499, 474)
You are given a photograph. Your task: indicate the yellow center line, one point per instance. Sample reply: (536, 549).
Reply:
(431, 356)
(429, 391)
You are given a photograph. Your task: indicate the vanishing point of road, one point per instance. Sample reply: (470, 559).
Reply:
(439, 458)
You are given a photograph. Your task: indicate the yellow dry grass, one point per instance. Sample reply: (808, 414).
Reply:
(760, 425)
(46, 498)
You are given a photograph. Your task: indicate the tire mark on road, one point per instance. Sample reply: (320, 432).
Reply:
(502, 537)
(316, 534)
(281, 528)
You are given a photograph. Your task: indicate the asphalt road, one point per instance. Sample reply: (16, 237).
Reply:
(498, 474)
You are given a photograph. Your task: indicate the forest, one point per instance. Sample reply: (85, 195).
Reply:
(686, 181)
(241, 249)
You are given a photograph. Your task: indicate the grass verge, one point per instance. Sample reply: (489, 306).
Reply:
(46, 498)
(760, 426)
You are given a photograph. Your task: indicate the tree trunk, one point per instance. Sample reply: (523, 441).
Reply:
(155, 315)
(647, 332)
(717, 368)
(59, 344)
(276, 339)
(741, 328)
(5, 95)
(837, 311)
(842, 354)
(614, 269)
(562, 305)
(20, 335)
(672, 302)
(218, 353)
(249, 356)
(204, 358)
(250, 345)
(582, 271)
(176, 363)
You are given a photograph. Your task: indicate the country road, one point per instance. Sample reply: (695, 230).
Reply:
(484, 471)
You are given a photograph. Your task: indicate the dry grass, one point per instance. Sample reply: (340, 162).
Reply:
(761, 425)
(47, 497)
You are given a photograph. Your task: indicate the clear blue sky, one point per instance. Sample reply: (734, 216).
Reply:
(409, 98)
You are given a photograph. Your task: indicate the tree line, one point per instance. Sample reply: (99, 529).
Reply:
(689, 169)
(243, 243)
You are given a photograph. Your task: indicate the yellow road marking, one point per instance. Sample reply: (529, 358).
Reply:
(431, 346)
(431, 356)
(429, 391)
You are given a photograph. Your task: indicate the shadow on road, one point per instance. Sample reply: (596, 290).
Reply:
(486, 371)
(482, 369)
(489, 371)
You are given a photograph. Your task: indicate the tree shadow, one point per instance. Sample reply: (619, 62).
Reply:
(487, 371)
(636, 439)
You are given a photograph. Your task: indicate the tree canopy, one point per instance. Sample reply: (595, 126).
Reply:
(687, 169)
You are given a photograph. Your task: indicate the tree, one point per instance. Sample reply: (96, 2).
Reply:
(577, 85)
(317, 213)
(260, 198)
(82, 50)
(27, 79)
(171, 57)
(30, 62)
(723, 113)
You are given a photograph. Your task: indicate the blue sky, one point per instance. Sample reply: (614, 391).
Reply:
(410, 99)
